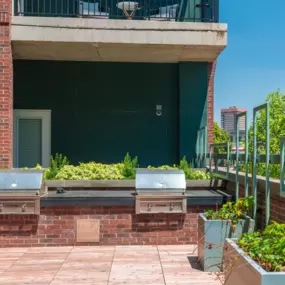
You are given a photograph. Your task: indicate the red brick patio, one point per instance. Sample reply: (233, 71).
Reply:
(103, 265)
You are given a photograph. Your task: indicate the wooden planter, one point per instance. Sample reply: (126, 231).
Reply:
(240, 269)
(211, 238)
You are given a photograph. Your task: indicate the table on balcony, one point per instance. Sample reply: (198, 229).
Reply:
(129, 6)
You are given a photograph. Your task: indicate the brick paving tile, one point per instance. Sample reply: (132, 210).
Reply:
(103, 265)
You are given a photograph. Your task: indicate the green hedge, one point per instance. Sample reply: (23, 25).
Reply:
(61, 170)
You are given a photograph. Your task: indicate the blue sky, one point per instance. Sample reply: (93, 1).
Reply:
(253, 64)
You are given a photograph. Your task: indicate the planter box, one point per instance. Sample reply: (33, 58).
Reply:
(240, 269)
(122, 183)
(211, 238)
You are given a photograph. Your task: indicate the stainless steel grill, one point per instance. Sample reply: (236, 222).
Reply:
(160, 191)
(20, 191)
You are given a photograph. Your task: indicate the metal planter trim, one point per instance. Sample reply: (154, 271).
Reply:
(245, 270)
(211, 238)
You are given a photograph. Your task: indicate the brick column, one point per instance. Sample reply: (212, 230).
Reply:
(6, 86)
(211, 76)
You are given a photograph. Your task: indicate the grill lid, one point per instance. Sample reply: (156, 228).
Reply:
(160, 181)
(15, 179)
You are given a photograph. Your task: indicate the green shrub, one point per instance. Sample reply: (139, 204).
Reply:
(129, 167)
(231, 211)
(61, 170)
(198, 175)
(184, 165)
(37, 167)
(162, 167)
(56, 164)
(267, 247)
(190, 173)
(91, 171)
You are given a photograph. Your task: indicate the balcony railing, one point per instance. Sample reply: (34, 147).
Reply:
(165, 10)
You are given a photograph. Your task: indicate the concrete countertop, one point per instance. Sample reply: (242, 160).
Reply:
(124, 197)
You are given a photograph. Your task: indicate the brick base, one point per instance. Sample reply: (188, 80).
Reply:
(56, 226)
(6, 86)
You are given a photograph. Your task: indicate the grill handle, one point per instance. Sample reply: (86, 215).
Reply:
(24, 207)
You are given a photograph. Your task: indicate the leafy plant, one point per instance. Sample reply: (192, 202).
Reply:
(56, 164)
(129, 167)
(231, 211)
(190, 173)
(162, 167)
(61, 170)
(37, 167)
(267, 248)
(184, 165)
(91, 171)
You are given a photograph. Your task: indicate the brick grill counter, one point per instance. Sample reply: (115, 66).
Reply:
(115, 210)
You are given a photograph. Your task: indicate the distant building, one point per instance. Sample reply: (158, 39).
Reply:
(228, 122)
(229, 118)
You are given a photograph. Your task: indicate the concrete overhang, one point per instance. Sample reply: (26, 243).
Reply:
(78, 39)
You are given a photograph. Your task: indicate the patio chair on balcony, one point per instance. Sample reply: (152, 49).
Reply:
(88, 9)
(167, 13)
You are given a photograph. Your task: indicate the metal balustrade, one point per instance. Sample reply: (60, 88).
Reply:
(165, 10)
(246, 158)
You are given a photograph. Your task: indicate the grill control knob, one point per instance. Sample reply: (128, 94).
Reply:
(24, 207)
(1, 207)
(171, 207)
(149, 207)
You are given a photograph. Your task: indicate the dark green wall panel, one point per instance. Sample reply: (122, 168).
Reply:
(193, 85)
(100, 111)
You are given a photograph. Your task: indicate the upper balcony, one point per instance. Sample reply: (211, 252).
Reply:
(158, 10)
(94, 30)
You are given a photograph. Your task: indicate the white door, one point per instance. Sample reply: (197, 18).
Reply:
(32, 138)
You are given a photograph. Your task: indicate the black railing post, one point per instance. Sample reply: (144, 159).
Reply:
(216, 11)
(16, 7)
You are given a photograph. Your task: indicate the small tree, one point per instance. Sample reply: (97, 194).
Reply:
(220, 136)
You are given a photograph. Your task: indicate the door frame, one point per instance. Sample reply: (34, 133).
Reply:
(45, 116)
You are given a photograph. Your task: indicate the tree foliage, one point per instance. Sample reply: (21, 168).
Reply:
(220, 136)
(276, 102)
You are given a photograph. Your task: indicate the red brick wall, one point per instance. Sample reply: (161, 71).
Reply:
(277, 204)
(6, 97)
(211, 76)
(56, 226)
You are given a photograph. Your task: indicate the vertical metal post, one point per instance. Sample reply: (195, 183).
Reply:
(202, 147)
(206, 146)
(224, 145)
(198, 148)
(228, 159)
(267, 218)
(246, 156)
(237, 158)
(243, 114)
(282, 168)
(210, 158)
(254, 190)
(254, 186)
